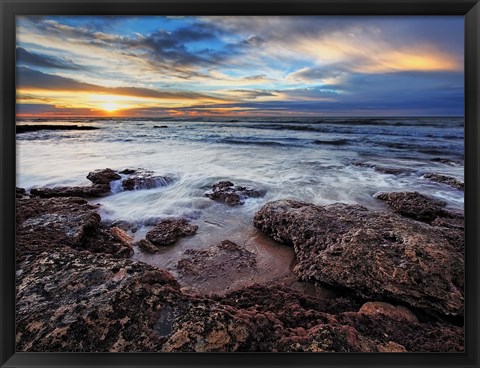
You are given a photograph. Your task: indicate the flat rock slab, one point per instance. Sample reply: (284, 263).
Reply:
(96, 190)
(219, 267)
(168, 231)
(44, 224)
(233, 195)
(417, 206)
(444, 179)
(377, 255)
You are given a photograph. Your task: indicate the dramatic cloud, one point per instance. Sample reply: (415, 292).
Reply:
(240, 65)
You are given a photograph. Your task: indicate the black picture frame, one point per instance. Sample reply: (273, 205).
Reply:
(470, 9)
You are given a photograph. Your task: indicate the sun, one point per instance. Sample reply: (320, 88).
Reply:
(110, 106)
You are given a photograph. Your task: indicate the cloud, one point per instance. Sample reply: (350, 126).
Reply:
(25, 57)
(32, 79)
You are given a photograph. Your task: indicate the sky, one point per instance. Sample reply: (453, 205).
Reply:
(154, 66)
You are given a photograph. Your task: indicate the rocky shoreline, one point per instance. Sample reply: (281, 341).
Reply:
(396, 277)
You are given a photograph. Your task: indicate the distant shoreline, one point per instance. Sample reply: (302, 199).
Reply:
(33, 128)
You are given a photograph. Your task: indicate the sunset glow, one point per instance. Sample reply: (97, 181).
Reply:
(174, 66)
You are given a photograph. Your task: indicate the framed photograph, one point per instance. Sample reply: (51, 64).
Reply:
(244, 184)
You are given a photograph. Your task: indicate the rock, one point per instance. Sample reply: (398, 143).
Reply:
(128, 171)
(36, 127)
(20, 192)
(219, 267)
(392, 170)
(124, 225)
(228, 193)
(382, 169)
(444, 179)
(121, 236)
(44, 224)
(146, 181)
(376, 255)
(168, 231)
(415, 205)
(104, 176)
(446, 161)
(146, 246)
(96, 190)
(386, 309)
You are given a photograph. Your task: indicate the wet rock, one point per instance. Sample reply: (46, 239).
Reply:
(146, 181)
(124, 225)
(20, 192)
(219, 267)
(228, 193)
(392, 170)
(104, 176)
(377, 255)
(147, 246)
(383, 169)
(128, 171)
(44, 224)
(446, 161)
(121, 236)
(444, 179)
(168, 231)
(415, 205)
(96, 190)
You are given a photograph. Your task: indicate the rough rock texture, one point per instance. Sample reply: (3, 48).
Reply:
(393, 312)
(444, 179)
(76, 294)
(168, 231)
(104, 176)
(44, 224)
(145, 180)
(228, 193)
(417, 206)
(378, 255)
(147, 246)
(96, 190)
(221, 265)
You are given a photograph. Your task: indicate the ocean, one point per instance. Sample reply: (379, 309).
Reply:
(317, 160)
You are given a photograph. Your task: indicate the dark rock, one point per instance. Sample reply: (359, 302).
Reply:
(128, 171)
(44, 224)
(125, 225)
(415, 205)
(96, 190)
(376, 255)
(227, 192)
(146, 180)
(20, 192)
(34, 128)
(160, 126)
(444, 179)
(104, 176)
(446, 161)
(392, 170)
(168, 231)
(147, 246)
